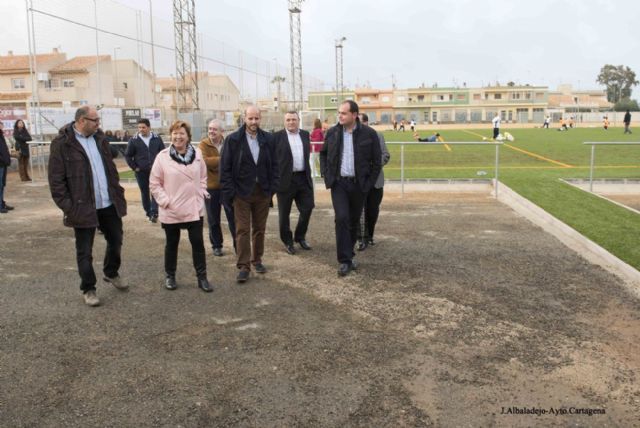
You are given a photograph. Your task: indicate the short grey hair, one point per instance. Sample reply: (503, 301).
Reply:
(218, 123)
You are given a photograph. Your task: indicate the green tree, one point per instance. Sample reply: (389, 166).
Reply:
(626, 104)
(619, 80)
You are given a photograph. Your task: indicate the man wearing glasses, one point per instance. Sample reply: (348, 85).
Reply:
(85, 185)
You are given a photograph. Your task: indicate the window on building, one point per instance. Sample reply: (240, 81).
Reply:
(497, 96)
(461, 97)
(515, 95)
(51, 83)
(420, 98)
(476, 97)
(527, 95)
(17, 83)
(539, 95)
(365, 100)
(69, 83)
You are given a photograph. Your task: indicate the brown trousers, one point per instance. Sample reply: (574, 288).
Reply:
(250, 214)
(23, 167)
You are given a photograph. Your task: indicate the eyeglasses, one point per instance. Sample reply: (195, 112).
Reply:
(94, 120)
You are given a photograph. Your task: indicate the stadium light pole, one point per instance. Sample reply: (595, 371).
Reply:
(115, 69)
(339, 70)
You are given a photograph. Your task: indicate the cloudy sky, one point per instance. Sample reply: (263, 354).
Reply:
(447, 42)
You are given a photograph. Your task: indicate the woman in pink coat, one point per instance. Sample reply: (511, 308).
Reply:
(178, 183)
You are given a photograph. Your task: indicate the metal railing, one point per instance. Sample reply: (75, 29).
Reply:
(402, 145)
(593, 145)
(39, 151)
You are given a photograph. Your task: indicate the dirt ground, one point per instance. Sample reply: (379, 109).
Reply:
(464, 314)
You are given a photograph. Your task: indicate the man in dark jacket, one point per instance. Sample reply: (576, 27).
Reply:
(627, 122)
(350, 161)
(85, 185)
(5, 163)
(292, 151)
(249, 178)
(140, 154)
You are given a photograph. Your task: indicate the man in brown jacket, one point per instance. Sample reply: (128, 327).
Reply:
(85, 185)
(211, 148)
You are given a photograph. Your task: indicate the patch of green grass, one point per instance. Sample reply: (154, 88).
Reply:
(536, 175)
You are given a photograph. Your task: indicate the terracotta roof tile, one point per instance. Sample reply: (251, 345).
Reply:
(18, 63)
(78, 64)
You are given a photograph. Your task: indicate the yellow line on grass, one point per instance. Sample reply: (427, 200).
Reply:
(534, 155)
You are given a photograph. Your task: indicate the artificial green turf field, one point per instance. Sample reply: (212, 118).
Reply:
(551, 155)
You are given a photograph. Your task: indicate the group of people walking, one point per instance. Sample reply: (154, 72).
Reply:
(239, 174)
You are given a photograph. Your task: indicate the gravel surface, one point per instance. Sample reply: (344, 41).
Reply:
(463, 314)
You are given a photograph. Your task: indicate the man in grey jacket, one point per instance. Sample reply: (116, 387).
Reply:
(373, 199)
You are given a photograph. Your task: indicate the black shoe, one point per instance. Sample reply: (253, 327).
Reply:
(243, 275)
(3, 210)
(7, 207)
(371, 242)
(203, 284)
(304, 244)
(290, 249)
(344, 269)
(217, 252)
(362, 245)
(153, 219)
(260, 268)
(170, 283)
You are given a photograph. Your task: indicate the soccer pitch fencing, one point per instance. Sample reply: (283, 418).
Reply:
(593, 145)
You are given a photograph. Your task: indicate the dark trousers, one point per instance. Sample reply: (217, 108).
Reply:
(370, 213)
(347, 199)
(111, 226)
(148, 203)
(251, 214)
(213, 205)
(496, 132)
(172, 232)
(300, 192)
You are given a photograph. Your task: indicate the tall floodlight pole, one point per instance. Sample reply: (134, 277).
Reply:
(295, 36)
(339, 71)
(184, 28)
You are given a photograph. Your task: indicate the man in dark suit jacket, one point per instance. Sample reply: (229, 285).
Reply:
(350, 161)
(249, 178)
(292, 151)
(140, 154)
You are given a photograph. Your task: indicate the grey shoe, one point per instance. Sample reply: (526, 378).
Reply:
(91, 299)
(117, 282)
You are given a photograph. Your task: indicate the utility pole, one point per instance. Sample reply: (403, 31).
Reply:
(339, 71)
(295, 36)
(278, 80)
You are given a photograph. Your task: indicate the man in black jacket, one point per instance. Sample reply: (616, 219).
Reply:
(249, 178)
(350, 161)
(5, 163)
(292, 151)
(140, 154)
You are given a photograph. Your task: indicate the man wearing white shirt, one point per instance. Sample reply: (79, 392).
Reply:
(292, 152)
(496, 125)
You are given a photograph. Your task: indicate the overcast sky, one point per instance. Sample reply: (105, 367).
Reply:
(447, 42)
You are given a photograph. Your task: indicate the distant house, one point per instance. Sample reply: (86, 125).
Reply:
(15, 77)
(81, 80)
